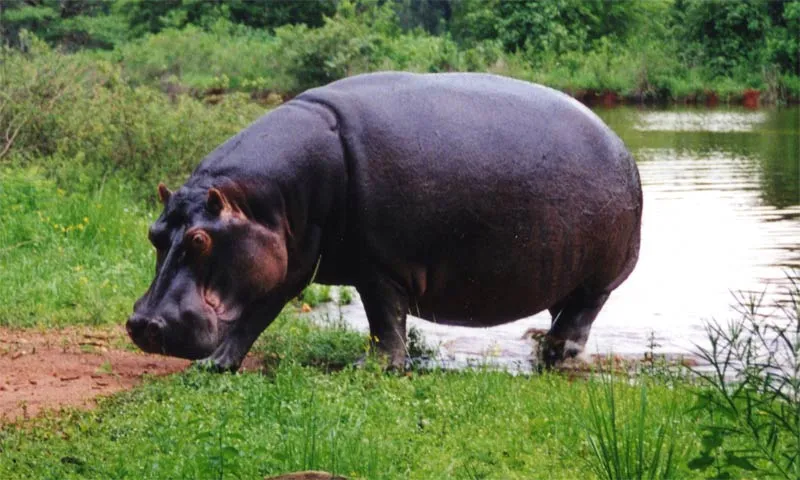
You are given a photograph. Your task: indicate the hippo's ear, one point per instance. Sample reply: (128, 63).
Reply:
(163, 193)
(216, 201)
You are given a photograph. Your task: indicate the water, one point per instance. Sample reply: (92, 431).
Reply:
(721, 215)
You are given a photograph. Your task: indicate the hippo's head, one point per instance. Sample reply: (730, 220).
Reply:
(213, 264)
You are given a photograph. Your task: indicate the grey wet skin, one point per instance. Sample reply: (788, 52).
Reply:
(465, 199)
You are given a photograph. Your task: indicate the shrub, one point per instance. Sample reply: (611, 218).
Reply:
(197, 59)
(79, 112)
(751, 399)
(294, 339)
(349, 43)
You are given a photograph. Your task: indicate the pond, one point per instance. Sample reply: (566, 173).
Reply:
(721, 215)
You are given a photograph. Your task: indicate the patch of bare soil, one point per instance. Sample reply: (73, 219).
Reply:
(49, 369)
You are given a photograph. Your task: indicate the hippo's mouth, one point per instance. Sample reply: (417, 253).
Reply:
(219, 314)
(176, 345)
(173, 343)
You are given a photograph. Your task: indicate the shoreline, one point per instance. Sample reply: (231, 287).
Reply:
(749, 98)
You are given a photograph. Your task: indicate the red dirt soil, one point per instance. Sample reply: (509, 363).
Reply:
(43, 370)
(49, 369)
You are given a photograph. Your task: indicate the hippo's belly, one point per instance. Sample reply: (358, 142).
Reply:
(499, 275)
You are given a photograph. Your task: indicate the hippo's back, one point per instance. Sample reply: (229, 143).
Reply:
(491, 197)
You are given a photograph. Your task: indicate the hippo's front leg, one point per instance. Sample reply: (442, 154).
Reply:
(386, 305)
(239, 338)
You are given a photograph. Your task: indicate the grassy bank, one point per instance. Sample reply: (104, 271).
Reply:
(360, 423)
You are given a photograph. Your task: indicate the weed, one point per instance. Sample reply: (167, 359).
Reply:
(416, 345)
(299, 340)
(624, 439)
(105, 368)
(751, 399)
(345, 296)
(315, 294)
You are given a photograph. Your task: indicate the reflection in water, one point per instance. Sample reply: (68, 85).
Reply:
(699, 121)
(722, 214)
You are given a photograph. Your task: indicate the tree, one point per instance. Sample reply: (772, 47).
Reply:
(722, 35)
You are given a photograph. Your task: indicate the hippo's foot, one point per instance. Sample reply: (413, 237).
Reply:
(554, 351)
(382, 361)
(572, 321)
(224, 359)
(210, 365)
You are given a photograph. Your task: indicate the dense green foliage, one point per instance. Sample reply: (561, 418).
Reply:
(145, 16)
(725, 36)
(62, 110)
(657, 49)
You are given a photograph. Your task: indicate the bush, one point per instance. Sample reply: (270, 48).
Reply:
(348, 43)
(71, 24)
(752, 391)
(147, 16)
(358, 40)
(79, 112)
(294, 339)
(201, 60)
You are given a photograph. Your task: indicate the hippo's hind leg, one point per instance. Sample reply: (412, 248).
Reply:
(572, 321)
(386, 305)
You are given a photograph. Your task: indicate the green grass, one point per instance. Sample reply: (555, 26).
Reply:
(70, 257)
(625, 440)
(332, 346)
(357, 422)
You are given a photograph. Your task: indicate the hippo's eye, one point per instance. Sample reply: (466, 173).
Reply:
(199, 242)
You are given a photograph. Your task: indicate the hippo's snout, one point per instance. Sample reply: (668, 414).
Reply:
(147, 333)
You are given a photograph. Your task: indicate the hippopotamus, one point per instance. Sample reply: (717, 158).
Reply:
(461, 198)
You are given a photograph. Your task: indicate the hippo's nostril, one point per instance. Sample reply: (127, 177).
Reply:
(146, 332)
(153, 334)
(135, 325)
